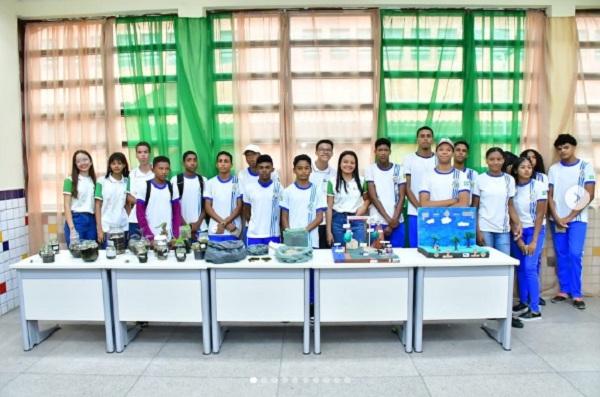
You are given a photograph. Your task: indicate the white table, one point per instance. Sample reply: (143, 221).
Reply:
(259, 292)
(462, 289)
(66, 290)
(158, 291)
(363, 293)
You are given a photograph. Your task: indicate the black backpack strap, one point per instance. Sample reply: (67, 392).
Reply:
(148, 190)
(180, 185)
(201, 182)
(170, 186)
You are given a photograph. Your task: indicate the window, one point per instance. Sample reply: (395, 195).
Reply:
(322, 86)
(587, 98)
(462, 77)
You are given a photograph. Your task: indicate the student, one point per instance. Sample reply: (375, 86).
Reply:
(416, 167)
(530, 204)
(111, 198)
(509, 160)
(158, 203)
(320, 176)
(461, 153)
(537, 161)
(387, 188)
(78, 194)
(445, 186)
(137, 180)
(190, 190)
(347, 195)
(261, 204)
(302, 204)
(539, 174)
(223, 201)
(493, 197)
(572, 182)
(249, 175)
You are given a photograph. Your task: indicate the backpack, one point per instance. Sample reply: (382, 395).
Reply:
(149, 189)
(181, 184)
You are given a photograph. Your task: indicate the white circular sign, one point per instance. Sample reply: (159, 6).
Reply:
(576, 197)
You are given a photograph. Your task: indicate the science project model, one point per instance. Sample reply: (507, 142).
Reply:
(448, 232)
(369, 248)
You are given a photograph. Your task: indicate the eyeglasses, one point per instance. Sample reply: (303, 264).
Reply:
(256, 258)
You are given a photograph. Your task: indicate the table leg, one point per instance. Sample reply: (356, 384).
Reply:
(317, 306)
(216, 331)
(502, 334)
(407, 332)
(418, 315)
(206, 325)
(306, 325)
(108, 312)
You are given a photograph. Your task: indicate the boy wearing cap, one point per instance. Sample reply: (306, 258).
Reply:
(261, 204)
(445, 186)
(417, 166)
(249, 175)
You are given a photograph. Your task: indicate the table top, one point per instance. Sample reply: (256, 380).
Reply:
(322, 259)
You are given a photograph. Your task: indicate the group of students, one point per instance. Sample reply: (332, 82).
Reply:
(512, 198)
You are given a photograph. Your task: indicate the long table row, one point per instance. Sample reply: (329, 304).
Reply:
(122, 291)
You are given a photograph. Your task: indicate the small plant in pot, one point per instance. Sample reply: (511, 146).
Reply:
(198, 250)
(54, 245)
(180, 250)
(89, 250)
(161, 247)
(75, 248)
(185, 234)
(47, 254)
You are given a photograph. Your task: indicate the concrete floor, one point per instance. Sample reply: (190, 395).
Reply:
(558, 356)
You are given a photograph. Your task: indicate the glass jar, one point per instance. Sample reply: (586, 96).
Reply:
(111, 251)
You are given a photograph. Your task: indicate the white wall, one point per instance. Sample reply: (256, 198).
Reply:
(191, 8)
(11, 160)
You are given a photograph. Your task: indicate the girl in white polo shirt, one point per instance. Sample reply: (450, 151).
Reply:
(78, 193)
(111, 195)
(493, 196)
(347, 195)
(530, 203)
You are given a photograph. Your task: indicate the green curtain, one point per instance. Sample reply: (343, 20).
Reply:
(457, 71)
(195, 89)
(148, 78)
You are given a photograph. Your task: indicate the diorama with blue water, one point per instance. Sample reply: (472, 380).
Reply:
(368, 248)
(449, 232)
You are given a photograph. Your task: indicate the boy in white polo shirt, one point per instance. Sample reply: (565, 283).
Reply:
(445, 186)
(158, 203)
(387, 187)
(461, 153)
(416, 167)
(137, 180)
(572, 183)
(321, 174)
(190, 189)
(223, 202)
(261, 204)
(302, 204)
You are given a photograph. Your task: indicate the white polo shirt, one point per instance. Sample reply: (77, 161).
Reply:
(302, 205)
(113, 194)
(445, 185)
(264, 200)
(191, 199)
(526, 200)
(223, 195)
(494, 193)
(160, 207)
(387, 184)
(84, 202)
(247, 177)
(320, 178)
(137, 182)
(418, 168)
(563, 177)
(347, 200)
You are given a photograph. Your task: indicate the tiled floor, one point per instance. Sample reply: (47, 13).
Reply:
(559, 356)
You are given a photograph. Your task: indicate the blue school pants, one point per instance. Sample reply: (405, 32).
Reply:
(527, 271)
(413, 237)
(85, 226)
(568, 247)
